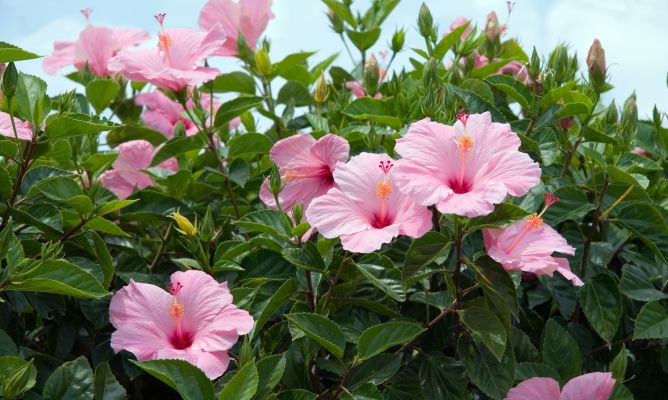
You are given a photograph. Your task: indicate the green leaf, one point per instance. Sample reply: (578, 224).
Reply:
(382, 273)
(267, 221)
(504, 214)
(649, 224)
(516, 90)
(9, 149)
(561, 351)
(272, 304)
(177, 146)
(106, 386)
(57, 277)
(68, 125)
(101, 92)
(185, 378)
(243, 384)
(16, 377)
(249, 144)
(100, 224)
(381, 337)
(30, 98)
(72, 380)
(637, 286)
(593, 135)
(363, 40)
(423, 251)
(617, 175)
(235, 82)
(59, 188)
(570, 109)
(374, 110)
(491, 376)
(112, 206)
(234, 108)
(486, 326)
(375, 370)
(527, 370)
(494, 278)
(82, 203)
(619, 364)
(321, 330)
(448, 41)
(270, 370)
(103, 258)
(442, 378)
(651, 322)
(295, 93)
(341, 11)
(476, 104)
(573, 205)
(10, 53)
(602, 304)
(306, 257)
(130, 131)
(7, 345)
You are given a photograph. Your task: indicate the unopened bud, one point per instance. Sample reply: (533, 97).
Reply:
(275, 184)
(185, 227)
(611, 114)
(629, 122)
(430, 73)
(298, 213)
(206, 228)
(10, 80)
(336, 22)
(596, 63)
(534, 64)
(425, 22)
(262, 62)
(559, 63)
(398, 40)
(492, 27)
(321, 91)
(371, 75)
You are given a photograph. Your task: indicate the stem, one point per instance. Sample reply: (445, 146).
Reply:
(339, 271)
(571, 153)
(269, 99)
(310, 299)
(73, 231)
(616, 203)
(429, 325)
(387, 69)
(11, 118)
(345, 44)
(594, 225)
(163, 242)
(23, 168)
(458, 275)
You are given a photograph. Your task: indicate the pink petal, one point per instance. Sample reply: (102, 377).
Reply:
(123, 183)
(139, 303)
(335, 214)
(23, 128)
(535, 389)
(189, 47)
(593, 386)
(213, 364)
(480, 201)
(356, 88)
(295, 150)
(142, 339)
(224, 331)
(96, 45)
(202, 296)
(134, 155)
(564, 269)
(369, 240)
(359, 176)
(142, 65)
(64, 54)
(420, 183)
(254, 19)
(331, 149)
(517, 171)
(128, 37)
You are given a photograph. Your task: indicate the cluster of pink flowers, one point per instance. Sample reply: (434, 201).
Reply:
(464, 169)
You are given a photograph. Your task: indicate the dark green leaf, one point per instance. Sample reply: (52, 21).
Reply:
(243, 384)
(652, 322)
(443, 378)
(71, 381)
(306, 257)
(272, 304)
(106, 385)
(602, 304)
(10, 53)
(58, 277)
(321, 330)
(235, 108)
(381, 337)
(561, 351)
(237, 82)
(101, 92)
(486, 326)
(185, 378)
(423, 251)
(494, 378)
(476, 104)
(248, 144)
(375, 110)
(177, 146)
(363, 40)
(512, 88)
(270, 370)
(68, 125)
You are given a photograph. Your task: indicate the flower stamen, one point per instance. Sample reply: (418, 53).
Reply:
(86, 13)
(533, 222)
(383, 190)
(463, 118)
(465, 147)
(164, 40)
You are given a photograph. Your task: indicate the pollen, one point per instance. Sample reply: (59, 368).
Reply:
(176, 310)
(465, 144)
(534, 221)
(383, 190)
(164, 41)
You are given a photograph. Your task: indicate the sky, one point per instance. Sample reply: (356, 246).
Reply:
(633, 32)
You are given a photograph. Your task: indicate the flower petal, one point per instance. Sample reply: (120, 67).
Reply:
(479, 201)
(139, 303)
(369, 240)
(330, 149)
(592, 386)
(418, 182)
(202, 297)
(144, 340)
(335, 214)
(535, 389)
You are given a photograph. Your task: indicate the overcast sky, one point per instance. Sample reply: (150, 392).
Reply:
(634, 33)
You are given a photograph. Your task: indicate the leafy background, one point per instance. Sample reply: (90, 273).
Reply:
(329, 323)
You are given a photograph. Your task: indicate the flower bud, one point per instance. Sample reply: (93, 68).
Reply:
(657, 118)
(425, 21)
(206, 228)
(10, 80)
(629, 122)
(611, 114)
(275, 184)
(336, 22)
(371, 75)
(534, 64)
(492, 27)
(262, 62)
(430, 73)
(559, 63)
(596, 66)
(185, 227)
(398, 40)
(321, 91)
(298, 213)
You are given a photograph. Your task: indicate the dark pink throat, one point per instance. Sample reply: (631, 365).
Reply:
(380, 221)
(182, 341)
(460, 187)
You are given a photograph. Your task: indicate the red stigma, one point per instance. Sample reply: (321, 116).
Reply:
(160, 17)
(463, 118)
(86, 13)
(385, 166)
(550, 199)
(174, 289)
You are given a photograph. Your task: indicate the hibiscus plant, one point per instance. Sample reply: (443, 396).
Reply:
(480, 222)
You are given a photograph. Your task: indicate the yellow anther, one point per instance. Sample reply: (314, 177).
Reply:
(465, 144)
(176, 310)
(164, 41)
(383, 190)
(534, 221)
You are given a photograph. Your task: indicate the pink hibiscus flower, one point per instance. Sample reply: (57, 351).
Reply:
(246, 17)
(163, 113)
(195, 321)
(95, 46)
(23, 128)
(463, 169)
(306, 166)
(527, 246)
(459, 21)
(173, 65)
(364, 209)
(517, 70)
(126, 174)
(592, 386)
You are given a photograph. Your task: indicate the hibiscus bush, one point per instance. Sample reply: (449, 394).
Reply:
(479, 223)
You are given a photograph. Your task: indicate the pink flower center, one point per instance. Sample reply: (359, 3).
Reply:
(535, 221)
(180, 339)
(321, 172)
(383, 192)
(465, 147)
